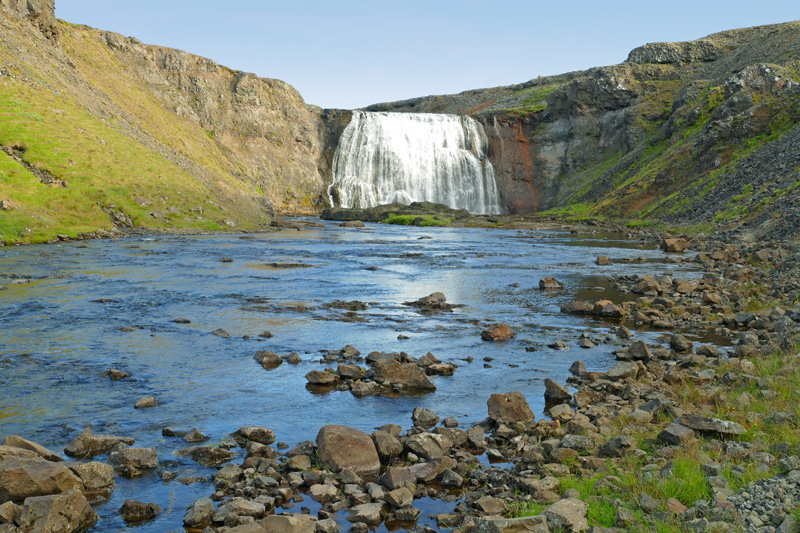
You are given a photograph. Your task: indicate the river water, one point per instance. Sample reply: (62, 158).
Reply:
(64, 308)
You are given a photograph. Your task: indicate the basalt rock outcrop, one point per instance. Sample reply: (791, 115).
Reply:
(701, 131)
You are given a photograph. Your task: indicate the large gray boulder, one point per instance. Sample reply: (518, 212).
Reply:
(408, 375)
(62, 513)
(22, 477)
(712, 426)
(345, 448)
(527, 524)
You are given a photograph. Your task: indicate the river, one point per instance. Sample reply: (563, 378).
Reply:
(72, 311)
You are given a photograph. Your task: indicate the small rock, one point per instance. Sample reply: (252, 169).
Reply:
(603, 260)
(497, 333)
(219, 332)
(145, 403)
(115, 375)
(550, 283)
(133, 511)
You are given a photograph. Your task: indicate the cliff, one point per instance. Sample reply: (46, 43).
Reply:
(102, 131)
(693, 132)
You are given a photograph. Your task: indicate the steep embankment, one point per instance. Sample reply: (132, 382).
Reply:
(695, 132)
(100, 131)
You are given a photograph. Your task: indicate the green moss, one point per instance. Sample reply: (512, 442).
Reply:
(408, 220)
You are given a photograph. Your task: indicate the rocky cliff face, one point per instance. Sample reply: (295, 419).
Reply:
(231, 148)
(653, 137)
(40, 12)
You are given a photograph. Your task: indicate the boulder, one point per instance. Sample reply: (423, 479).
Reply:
(342, 447)
(427, 472)
(12, 451)
(408, 375)
(365, 388)
(555, 392)
(401, 497)
(132, 462)
(95, 476)
(497, 333)
(639, 351)
(199, 513)
(396, 477)
(567, 515)
(62, 513)
(321, 377)
(22, 477)
(41, 451)
(603, 260)
(424, 418)
(367, 513)
(712, 426)
(133, 511)
(428, 445)
(268, 359)
(87, 444)
(239, 507)
(680, 344)
(676, 434)
(257, 434)
(549, 283)
(509, 408)
(146, 403)
(617, 447)
(674, 245)
(207, 455)
(490, 505)
(624, 370)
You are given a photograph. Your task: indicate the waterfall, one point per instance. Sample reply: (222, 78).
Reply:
(384, 158)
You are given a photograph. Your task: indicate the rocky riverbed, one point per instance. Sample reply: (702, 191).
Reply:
(686, 421)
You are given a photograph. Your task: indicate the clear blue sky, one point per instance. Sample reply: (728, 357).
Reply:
(350, 54)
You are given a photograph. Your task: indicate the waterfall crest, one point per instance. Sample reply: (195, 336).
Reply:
(413, 157)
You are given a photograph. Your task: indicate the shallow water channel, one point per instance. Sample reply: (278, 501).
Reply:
(64, 305)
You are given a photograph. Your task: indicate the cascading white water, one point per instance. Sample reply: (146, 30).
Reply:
(384, 158)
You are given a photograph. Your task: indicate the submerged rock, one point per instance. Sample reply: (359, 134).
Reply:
(133, 511)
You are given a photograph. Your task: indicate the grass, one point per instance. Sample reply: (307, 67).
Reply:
(101, 167)
(408, 220)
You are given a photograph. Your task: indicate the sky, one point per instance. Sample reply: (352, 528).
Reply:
(350, 54)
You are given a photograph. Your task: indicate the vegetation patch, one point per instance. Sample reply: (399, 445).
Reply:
(417, 220)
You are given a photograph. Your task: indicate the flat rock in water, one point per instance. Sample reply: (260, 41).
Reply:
(208, 456)
(705, 424)
(19, 442)
(321, 377)
(146, 403)
(257, 434)
(268, 359)
(219, 332)
(509, 408)
(88, 444)
(132, 462)
(345, 448)
(408, 375)
(22, 477)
